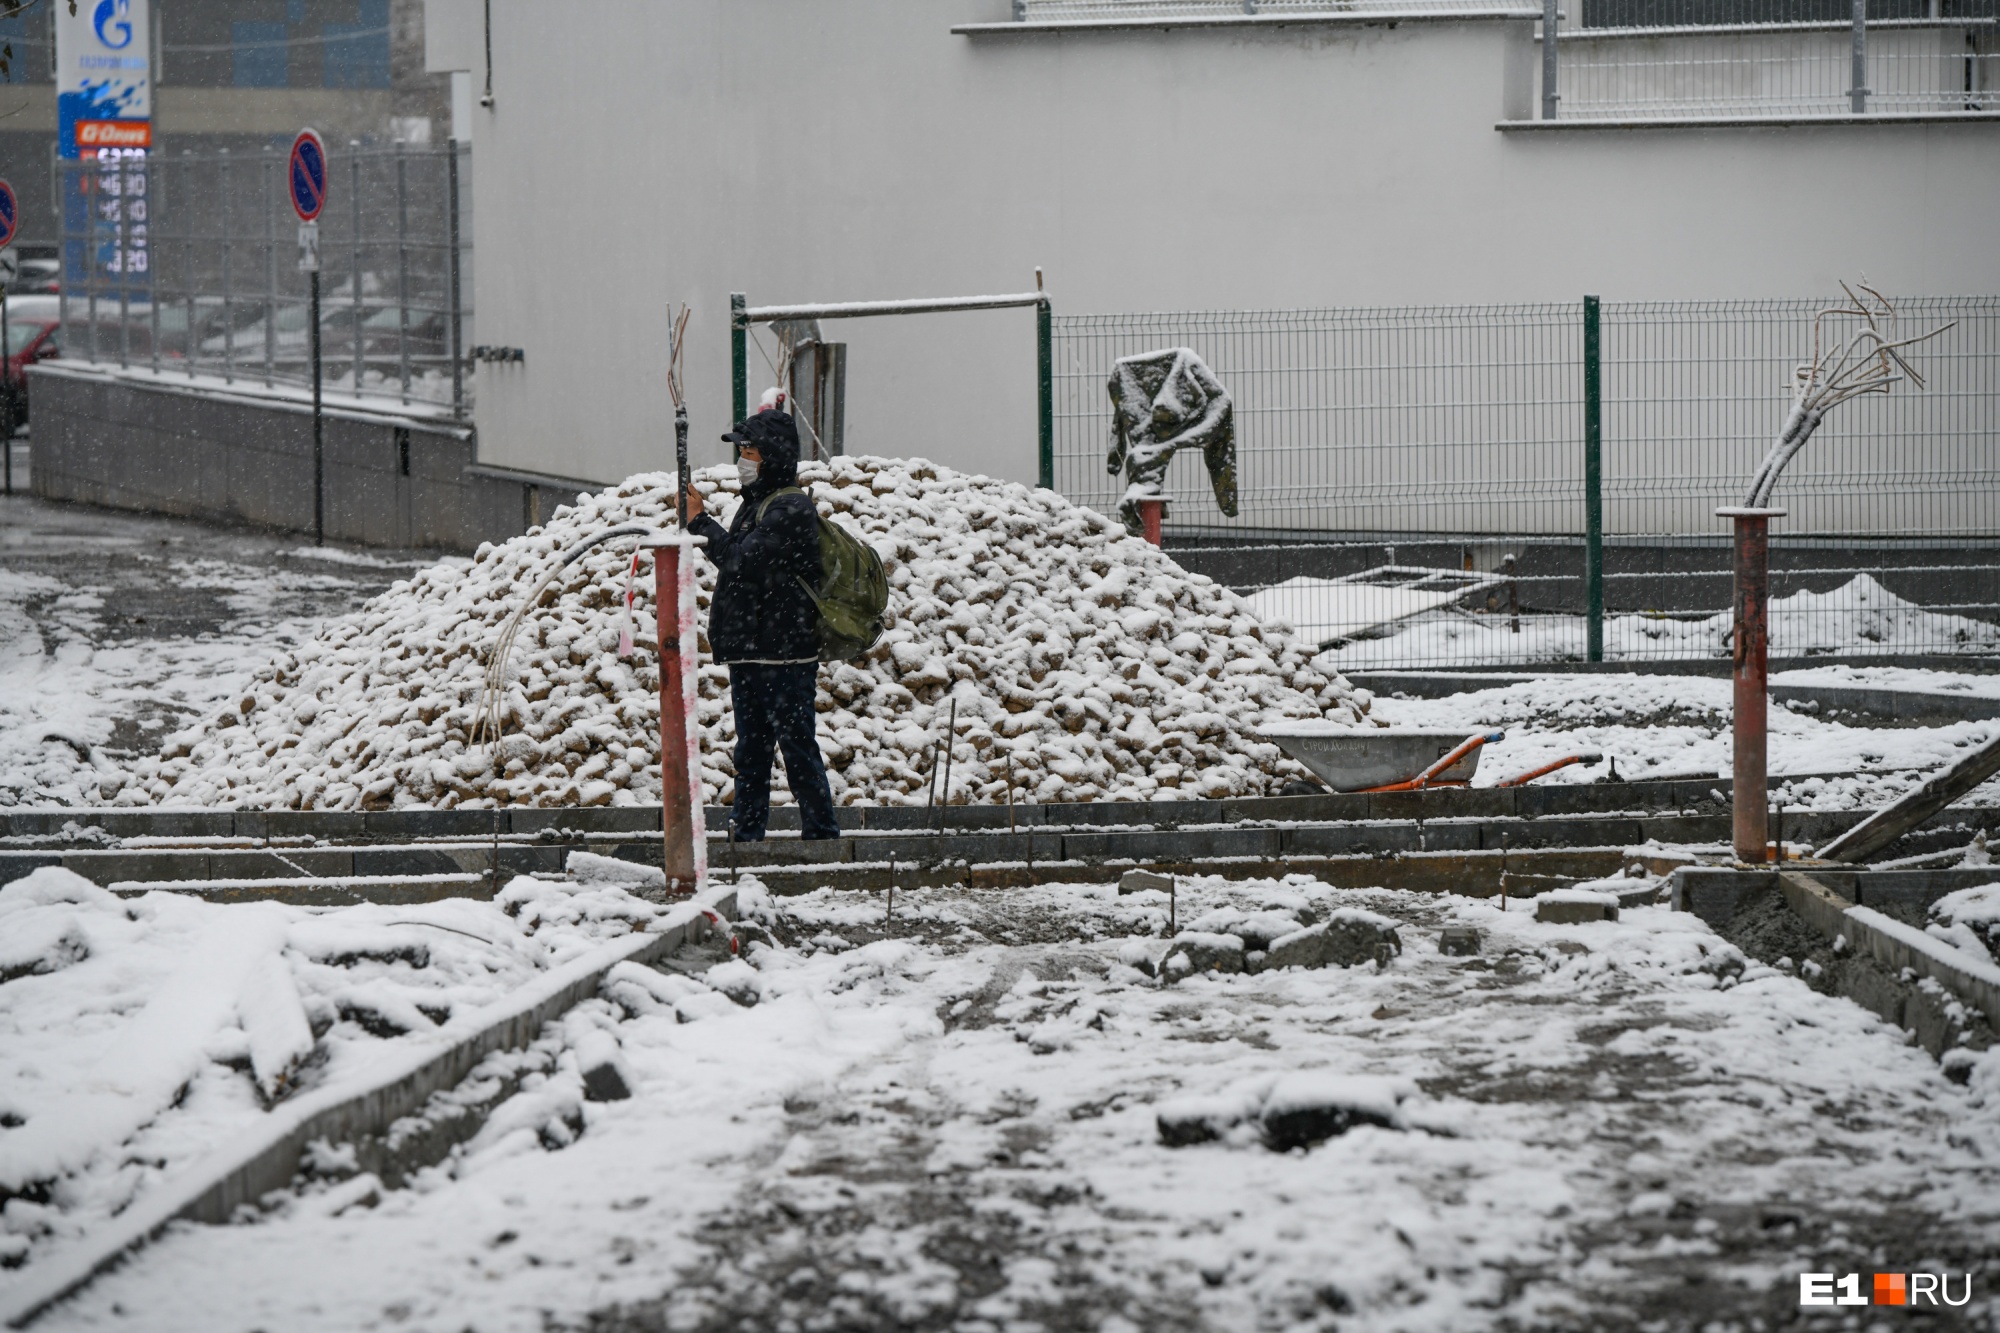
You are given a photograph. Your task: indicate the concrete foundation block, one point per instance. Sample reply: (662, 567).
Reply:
(1568, 908)
(1461, 941)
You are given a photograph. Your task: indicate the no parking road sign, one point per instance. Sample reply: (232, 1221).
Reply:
(308, 175)
(10, 214)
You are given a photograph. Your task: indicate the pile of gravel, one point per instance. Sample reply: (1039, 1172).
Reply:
(1103, 669)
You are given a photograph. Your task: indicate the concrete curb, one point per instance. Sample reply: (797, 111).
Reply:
(1893, 944)
(211, 1189)
(1910, 708)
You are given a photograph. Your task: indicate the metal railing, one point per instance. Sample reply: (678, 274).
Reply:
(1075, 11)
(1697, 59)
(1376, 447)
(186, 264)
(1882, 67)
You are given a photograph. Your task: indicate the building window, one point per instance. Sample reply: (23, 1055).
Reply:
(357, 54)
(260, 54)
(25, 32)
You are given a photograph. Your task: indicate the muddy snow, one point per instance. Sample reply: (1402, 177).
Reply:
(953, 1118)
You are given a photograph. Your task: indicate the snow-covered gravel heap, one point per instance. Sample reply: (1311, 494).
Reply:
(1102, 668)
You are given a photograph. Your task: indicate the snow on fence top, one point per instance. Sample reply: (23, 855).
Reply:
(1101, 667)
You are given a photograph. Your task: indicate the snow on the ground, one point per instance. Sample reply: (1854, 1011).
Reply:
(63, 690)
(1326, 609)
(1679, 726)
(952, 1122)
(1969, 919)
(1089, 657)
(1861, 617)
(1979, 685)
(137, 1034)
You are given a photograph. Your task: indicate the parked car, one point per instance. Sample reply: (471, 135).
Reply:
(33, 334)
(36, 277)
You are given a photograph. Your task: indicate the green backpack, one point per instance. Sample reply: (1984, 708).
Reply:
(853, 591)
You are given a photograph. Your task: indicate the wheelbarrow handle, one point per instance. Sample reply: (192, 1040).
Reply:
(1429, 775)
(1523, 779)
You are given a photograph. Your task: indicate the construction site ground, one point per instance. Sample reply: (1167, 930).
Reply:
(931, 1091)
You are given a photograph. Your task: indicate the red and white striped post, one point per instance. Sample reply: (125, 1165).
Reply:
(1752, 673)
(1150, 513)
(685, 847)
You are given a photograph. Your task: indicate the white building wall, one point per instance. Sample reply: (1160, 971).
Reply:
(640, 152)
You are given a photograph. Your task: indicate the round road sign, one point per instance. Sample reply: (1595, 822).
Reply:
(307, 176)
(10, 213)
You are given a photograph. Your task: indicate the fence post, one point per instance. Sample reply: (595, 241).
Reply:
(739, 355)
(354, 188)
(1858, 95)
(457, 320)
(1549, 70)
(1045, 394)
(1593, 479)
(228, 284)
(271, 206)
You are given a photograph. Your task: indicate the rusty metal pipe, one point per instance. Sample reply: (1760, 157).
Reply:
(1751, 674)
(1523, 779)
(1150, 512)
(684, 846)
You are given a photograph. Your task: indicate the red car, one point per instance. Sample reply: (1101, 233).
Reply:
(33, 334)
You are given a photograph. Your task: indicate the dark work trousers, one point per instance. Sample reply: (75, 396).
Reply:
(774, 710)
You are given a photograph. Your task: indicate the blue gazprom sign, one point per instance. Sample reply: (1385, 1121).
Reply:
(104, 116)
(104, 77)
(113, 22)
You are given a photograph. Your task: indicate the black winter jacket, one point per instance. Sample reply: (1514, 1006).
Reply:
(760, 613)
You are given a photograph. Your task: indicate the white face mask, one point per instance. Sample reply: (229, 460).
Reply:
(746, 471)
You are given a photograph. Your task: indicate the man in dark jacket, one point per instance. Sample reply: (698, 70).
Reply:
(762, 625)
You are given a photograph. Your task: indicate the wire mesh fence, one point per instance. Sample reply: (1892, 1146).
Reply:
(1413, 483)
(186, 264)
(1907, 66)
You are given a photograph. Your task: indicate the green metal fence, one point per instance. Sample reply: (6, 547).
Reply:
(1563, 462)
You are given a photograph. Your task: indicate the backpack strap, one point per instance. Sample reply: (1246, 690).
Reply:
(782, 490)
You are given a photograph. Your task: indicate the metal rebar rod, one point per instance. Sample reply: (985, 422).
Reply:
(950, 739)
(1010, 792)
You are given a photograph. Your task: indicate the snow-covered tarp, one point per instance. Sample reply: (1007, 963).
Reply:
(1090, 659)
